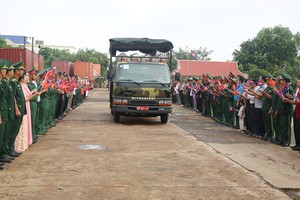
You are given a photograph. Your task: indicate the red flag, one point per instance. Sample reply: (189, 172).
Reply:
(44, 84)
(271, 82)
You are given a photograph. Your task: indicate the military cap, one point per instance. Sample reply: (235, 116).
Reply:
(209, 76)
(195, 78)
(2, 64)
(32, 71)
(271, 76)
(264, 77)
(286, 77)
(232, 79)
(231, 74)
(42, 72)
(189, 78)
(19, 65)
(9, 65)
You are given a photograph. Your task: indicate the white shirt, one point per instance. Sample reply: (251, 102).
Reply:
(39, 97)
(258, 102)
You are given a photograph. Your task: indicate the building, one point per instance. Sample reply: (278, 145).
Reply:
(200, 67)
(17, 41)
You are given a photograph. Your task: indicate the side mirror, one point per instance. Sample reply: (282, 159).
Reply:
(109, 74)
(177, 76)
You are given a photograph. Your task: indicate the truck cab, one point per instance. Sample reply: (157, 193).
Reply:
(140, 85)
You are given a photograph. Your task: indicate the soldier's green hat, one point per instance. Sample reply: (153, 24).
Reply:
(264, 77)
(19, 65)
(271, 76)
(232, 79)
(42, 72)
(195, 78)
(286, 77)
(9, 65)
(32, 71)
(189, 78)
(2, 64)
(209, 76)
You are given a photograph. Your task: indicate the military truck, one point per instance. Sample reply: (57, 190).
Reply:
(140, 84)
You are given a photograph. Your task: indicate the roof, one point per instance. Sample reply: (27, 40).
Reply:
(16, 39)
(214, 68)
(144, 45)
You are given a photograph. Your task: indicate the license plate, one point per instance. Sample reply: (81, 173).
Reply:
(142, 108)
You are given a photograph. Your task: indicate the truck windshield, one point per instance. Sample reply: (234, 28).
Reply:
(142, 72)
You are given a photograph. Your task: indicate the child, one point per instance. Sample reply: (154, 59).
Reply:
(241, 115)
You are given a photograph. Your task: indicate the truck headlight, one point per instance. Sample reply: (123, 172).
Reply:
(120, 101)
(165, 102)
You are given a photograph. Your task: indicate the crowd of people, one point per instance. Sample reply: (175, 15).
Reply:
(31, 103)
(261, 107)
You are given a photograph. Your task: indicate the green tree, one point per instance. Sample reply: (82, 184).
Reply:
(3, 43)
(271, 50)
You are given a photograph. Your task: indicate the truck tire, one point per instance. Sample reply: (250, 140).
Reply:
(164, 118)
(116, 117)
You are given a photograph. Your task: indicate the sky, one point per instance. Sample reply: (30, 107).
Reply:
(218, 25)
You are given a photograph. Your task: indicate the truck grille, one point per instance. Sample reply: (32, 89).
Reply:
(141, 103)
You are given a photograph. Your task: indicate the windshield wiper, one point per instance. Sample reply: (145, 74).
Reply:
(155, 81)
(129, 80)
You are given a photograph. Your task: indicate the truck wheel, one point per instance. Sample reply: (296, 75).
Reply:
(116, 117)
(164, 118)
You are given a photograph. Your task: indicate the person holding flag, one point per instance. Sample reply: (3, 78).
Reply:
(32, 85)
(44, 103)
(285, 110)
(266, 105)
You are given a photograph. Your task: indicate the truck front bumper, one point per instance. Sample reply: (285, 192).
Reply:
(134, 110)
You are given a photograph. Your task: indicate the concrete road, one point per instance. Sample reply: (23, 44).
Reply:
(88, 156)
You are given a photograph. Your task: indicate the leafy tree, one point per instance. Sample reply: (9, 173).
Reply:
(3, 43)
(271, 50)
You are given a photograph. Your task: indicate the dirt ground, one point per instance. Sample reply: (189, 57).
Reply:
(88, 156)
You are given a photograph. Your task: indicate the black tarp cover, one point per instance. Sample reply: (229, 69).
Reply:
(144, 45)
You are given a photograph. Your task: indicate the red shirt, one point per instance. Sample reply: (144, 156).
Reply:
(297, 109)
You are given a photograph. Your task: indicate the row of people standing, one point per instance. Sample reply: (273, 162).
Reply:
(260, 107)
(31, 103)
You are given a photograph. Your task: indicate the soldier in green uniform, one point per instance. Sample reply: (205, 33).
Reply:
(225, 100)
(273, 109)
(52, 97)
(207, 97)
(3, 111)
(284, 111)
(230, 106)
(32, 85)
(43, 105)
(20, 109)
(10, 100)
(266, 105)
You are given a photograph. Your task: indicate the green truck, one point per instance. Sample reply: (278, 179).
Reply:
(140, 85)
